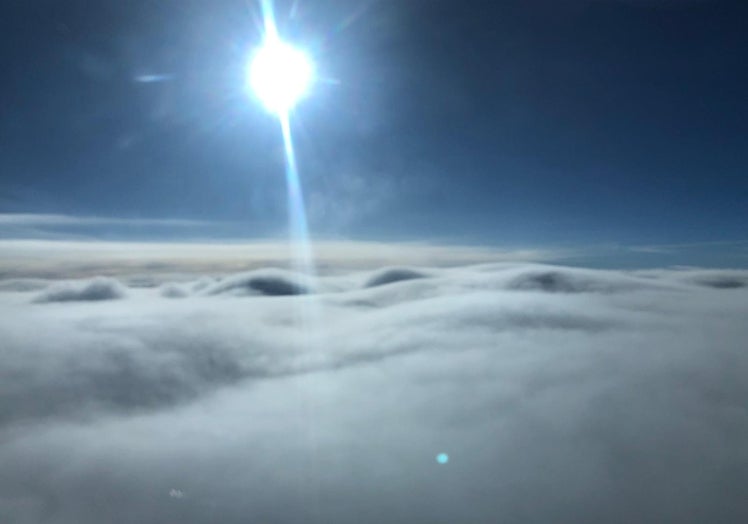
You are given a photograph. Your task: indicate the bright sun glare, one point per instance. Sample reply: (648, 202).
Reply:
(280, 75)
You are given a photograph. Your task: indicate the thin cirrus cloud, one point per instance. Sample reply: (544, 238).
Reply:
(47, 219)
(559, 394)
(152, 78)
(49, 226)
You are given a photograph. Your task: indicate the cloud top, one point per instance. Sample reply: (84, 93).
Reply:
(559, 394)
(391, 275)
(268, 282)
(96, 289)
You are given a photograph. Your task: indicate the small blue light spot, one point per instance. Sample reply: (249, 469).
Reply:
(442, 458)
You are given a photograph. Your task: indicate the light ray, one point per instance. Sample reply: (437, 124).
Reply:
(303, 261)
(279, 75)
(299, 229)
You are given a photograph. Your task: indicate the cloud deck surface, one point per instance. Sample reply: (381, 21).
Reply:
(559, 394)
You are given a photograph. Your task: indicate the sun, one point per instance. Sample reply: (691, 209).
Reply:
(280, 75)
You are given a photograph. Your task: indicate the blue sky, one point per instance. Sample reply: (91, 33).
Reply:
(504, 123)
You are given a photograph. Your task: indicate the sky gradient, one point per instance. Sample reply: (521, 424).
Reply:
(502, 123)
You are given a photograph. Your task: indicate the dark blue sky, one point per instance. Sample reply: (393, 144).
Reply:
(520, 122)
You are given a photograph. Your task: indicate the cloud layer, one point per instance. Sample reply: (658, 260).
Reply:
(560, 395)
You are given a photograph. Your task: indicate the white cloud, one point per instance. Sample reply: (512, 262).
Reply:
(559, 394)
(72, 259)
(100, 288)
(70, 227)
(149, 79)
(271, 282)
(42, 219)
